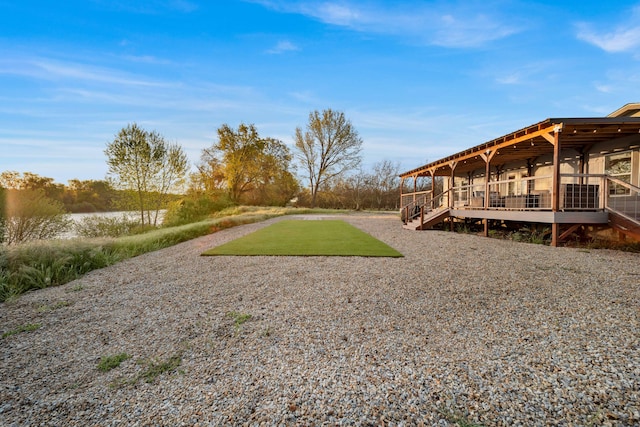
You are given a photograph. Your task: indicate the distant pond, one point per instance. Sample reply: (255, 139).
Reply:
(77, 217)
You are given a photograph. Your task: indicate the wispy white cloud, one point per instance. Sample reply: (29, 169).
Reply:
(523, 74)
(603, 88)
(282, 47)
(510, 79)
(620, 40)
(50, 69)
(469, 31)
(619, 82)
(625, 37)
(307, 97)
(447, 24)
(147, 59)
(149, 7)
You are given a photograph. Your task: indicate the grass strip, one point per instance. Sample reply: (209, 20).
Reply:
(307, 238)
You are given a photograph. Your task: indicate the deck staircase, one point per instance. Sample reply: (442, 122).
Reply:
(624, 210)
(430, 218)
(425, 213)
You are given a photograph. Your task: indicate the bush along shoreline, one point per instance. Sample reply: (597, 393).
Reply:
(40, 264)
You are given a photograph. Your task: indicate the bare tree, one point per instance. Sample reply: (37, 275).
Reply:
(328, 148)
(385, 183)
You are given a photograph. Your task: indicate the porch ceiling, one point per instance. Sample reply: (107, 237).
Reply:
(532, 142)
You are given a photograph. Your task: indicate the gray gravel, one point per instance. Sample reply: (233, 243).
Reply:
(462, 330)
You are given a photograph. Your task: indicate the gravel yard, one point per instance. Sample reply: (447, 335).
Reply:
(462, 330)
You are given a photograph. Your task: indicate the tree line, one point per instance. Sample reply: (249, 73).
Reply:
(146, 173)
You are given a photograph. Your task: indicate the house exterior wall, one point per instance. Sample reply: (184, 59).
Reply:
(597, 155)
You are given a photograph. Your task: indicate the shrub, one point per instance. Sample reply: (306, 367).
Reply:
(101, 226)
(30, 215)
(193, 209)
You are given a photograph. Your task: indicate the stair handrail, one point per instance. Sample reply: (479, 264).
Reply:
(412, 209)
(635, 203)
(427, 207)
(439, 199)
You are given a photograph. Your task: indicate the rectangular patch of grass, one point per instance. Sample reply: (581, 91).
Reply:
(307, 238)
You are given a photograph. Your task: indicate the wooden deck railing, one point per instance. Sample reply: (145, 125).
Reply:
(578, 192)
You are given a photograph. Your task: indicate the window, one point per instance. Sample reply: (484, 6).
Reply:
(511, 190)
(618, 166)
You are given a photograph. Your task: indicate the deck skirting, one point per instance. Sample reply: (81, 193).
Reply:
(548, 217)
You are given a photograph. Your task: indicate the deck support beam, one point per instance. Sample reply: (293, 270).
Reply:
(569, 231)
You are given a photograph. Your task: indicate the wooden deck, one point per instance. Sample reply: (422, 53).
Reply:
(578, 204)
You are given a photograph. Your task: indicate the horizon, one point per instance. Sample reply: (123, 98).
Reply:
(419, 80)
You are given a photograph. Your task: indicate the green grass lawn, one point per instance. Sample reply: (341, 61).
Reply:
(307, 238)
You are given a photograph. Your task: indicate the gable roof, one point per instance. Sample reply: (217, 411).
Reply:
(631, 109)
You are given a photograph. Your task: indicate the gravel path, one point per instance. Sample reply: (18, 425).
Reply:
(462, 330)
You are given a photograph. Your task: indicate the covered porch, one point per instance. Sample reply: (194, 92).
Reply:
(544, 173)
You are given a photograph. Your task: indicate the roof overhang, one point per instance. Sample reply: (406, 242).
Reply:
(532, 142)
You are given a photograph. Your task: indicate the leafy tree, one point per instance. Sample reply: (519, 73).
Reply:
(31, 181)
(144, 164)
(239, 150)
(328, 148)
(89, 196)
(252, 169)
(31, 215)
(275, 184)
(209, 178)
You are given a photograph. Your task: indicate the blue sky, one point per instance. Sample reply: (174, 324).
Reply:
(419, 80)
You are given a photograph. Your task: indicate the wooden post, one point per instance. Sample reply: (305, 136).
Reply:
(487, 174)
(415, 187)
(433, 183)
(452, 165)
(529, 175)
(487, 156)
(555, 189)
(452, 184)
